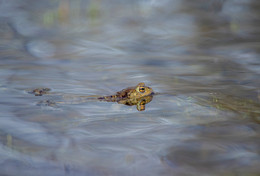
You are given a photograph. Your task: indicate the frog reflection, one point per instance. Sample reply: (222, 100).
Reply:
(138, 95)
(145, 100)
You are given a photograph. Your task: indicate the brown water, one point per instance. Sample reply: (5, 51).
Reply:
(203, 58)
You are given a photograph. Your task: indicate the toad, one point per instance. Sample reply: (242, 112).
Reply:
(136, 92)
(138, 95)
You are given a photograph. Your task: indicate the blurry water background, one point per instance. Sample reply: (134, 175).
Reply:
(203, 57)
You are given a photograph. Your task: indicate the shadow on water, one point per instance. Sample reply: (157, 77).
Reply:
(200, 58)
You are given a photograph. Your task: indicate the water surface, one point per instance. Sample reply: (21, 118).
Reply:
(201, 58)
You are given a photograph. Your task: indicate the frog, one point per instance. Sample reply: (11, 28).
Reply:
(138, 95)
(130, 93)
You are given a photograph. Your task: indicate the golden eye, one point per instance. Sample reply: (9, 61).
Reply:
(141, 89)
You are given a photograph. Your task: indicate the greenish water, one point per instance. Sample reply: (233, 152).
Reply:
(202, 58)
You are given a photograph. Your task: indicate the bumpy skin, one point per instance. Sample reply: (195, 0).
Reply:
(138, 95)
(131, 94)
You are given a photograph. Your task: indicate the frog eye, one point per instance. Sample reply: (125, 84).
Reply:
(141, 89)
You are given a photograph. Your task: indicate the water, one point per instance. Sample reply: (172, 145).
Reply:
(202, 58)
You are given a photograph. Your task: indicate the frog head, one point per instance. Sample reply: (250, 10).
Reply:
(141, 91)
